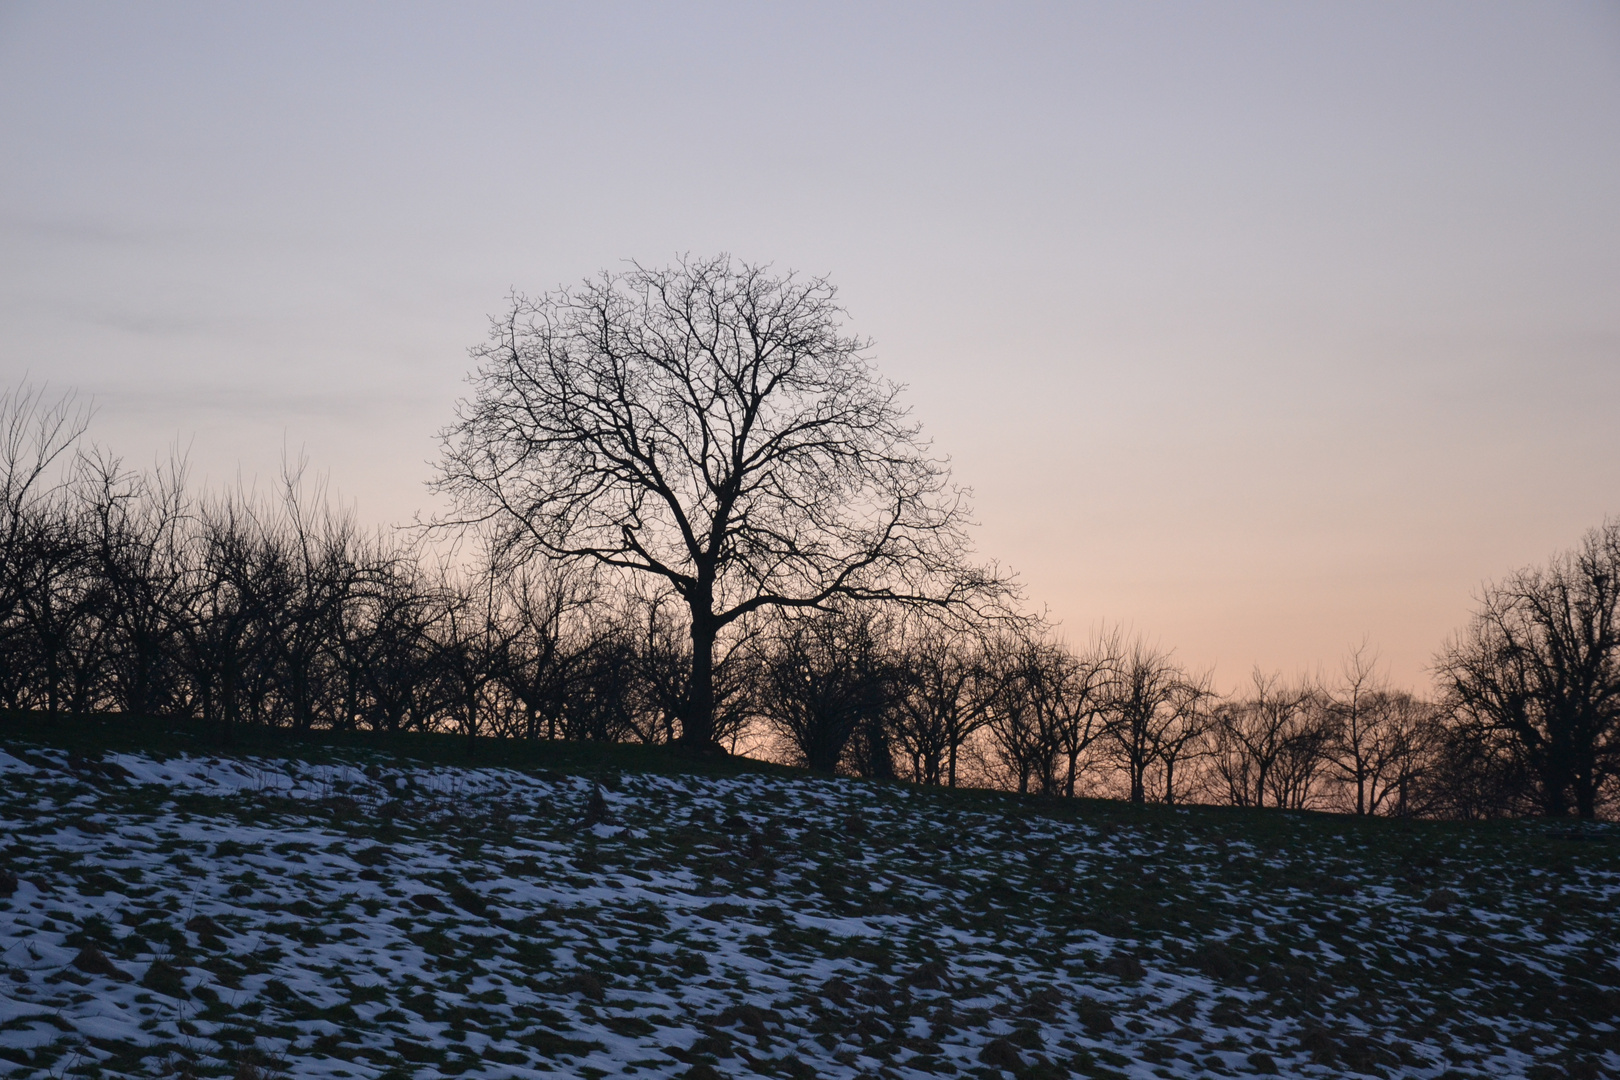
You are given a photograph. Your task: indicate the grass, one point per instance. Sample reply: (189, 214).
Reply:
(350, 907)
(114, 733)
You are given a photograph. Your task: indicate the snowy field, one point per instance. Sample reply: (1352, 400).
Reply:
(253, 917)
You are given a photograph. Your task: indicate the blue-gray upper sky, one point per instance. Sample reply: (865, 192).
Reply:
(1258, 327)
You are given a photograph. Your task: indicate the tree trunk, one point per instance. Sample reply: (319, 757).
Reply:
(1555, 785)
(697, 723)
(1585, 794)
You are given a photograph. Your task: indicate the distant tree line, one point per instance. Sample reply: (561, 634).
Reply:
(686, 510)
(125, 592)
(1525, 720)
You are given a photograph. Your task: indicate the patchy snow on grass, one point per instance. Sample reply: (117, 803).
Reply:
(251, 917)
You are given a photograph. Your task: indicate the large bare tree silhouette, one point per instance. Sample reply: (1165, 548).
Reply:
(713, 426)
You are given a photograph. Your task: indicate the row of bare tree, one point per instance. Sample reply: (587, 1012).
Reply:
(123, 591)
(1120, 718)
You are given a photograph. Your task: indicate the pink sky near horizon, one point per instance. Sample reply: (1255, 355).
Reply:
(1259, 328)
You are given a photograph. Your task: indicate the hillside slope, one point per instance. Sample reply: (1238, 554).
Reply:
(374, 918)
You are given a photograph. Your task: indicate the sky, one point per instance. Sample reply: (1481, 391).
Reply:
(1261, 330)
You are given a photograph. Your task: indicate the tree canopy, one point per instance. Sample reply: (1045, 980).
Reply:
(713, 426)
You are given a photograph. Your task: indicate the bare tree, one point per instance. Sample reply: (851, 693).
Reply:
(603, 704)
(1045, 712)
(823, 678)
(36, 436)
(385, 641)
(325, 576)
(1474, 771)
(710, 425)
(470, 643)
(1080, 692)
(945, 694)
(1356, 712)
(1378, 741)
(56, 601)
(1540, 665)
(1405, 742)
(137, 530)
(1268, 746)
(1021, 733)
(239, 584)
(1155, 713)
(544, 608)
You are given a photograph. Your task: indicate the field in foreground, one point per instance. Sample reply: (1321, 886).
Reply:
(363, 915)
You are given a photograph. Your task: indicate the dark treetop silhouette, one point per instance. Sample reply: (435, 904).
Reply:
(708, 424)
(1539, 670)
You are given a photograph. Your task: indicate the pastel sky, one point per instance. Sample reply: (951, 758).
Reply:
(1259, 328)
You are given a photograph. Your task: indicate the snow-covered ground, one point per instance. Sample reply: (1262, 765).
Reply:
(253, 917)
